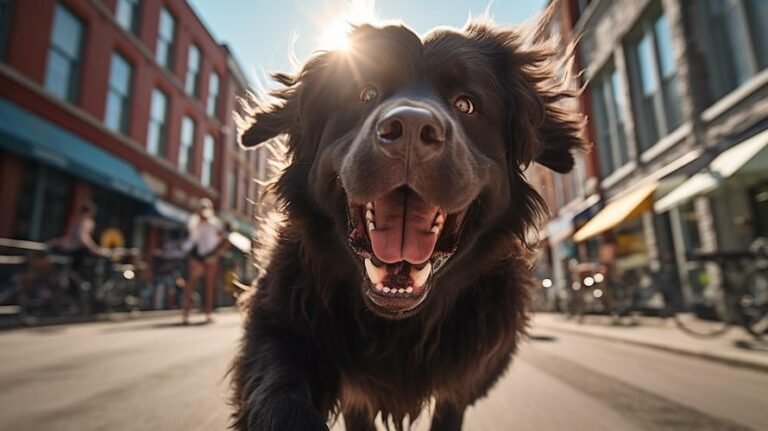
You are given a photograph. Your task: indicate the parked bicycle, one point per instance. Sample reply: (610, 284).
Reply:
(119, 287)
(739, 297)
(728, 289)
(40, 285)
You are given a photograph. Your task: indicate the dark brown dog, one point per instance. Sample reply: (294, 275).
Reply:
(401, 273)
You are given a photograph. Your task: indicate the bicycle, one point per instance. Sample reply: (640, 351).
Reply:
(740, 298)
(118, 288)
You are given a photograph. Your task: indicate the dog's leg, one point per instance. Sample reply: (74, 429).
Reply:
(271, 378)
(356, 420)
(448, 417)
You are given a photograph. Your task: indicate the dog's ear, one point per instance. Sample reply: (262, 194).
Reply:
(561, 134)
(264, 122)
(541, 129)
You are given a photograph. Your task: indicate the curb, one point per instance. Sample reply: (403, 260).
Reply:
(737, 362)
(104, 318)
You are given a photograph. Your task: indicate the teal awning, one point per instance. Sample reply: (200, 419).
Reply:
(31, 136)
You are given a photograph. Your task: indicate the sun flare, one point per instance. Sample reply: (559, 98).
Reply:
(335, 31)
(336, 36)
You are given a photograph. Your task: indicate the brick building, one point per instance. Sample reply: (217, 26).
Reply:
(678, 100)
(572, 198)
(123, 102)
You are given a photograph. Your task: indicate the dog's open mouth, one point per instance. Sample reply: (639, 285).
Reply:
(403, 241)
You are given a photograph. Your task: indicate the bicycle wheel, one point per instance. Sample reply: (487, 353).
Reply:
(753, 305)
(707, 315)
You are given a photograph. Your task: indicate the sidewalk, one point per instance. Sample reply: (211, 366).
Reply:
(735, 347)
(12, 323)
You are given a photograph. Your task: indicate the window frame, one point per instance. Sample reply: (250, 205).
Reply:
(170, 44)
(6, 11)
(75, 65)
(134, 6)
(207, 165)
(162, 146)
(192, 77)
(652, 127)
(187, 149)
(212, 104)
(125, 99)
(609, 98)
(723, 80)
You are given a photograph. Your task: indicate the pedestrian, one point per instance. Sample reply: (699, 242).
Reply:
(204, 245)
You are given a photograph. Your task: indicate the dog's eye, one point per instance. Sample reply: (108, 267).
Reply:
(464, 105)
(369, 93)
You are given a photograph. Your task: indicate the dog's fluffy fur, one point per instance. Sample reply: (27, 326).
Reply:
(318, 342)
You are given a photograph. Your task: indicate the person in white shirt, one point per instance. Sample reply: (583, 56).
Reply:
(205, 243)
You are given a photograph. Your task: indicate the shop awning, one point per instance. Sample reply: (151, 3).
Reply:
(172, 212)
(618, 210)
(562, 227)
(28, 135)
(239, 225)
(749, 156)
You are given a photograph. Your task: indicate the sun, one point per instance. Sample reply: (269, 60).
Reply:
(336, 35)
(335, 31)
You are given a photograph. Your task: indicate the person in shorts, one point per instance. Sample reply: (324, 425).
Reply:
(203, 246)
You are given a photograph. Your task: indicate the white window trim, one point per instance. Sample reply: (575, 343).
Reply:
(736, 96)
(666, 142)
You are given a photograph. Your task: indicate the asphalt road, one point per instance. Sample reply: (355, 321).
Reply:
(156, 375)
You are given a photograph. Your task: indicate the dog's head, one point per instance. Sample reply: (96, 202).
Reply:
(415, 148)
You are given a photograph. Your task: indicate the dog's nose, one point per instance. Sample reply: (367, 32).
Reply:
(409, 129)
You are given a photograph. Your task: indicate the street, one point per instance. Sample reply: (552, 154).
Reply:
(153, 374)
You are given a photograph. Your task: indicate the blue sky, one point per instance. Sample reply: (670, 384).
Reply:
(260, 31)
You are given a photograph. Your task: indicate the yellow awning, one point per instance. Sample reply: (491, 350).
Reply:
(618, 210)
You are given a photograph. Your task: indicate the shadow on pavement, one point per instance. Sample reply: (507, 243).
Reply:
(752, 345)
(547, 338)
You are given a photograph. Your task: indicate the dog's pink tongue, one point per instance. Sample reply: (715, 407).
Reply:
(403, 222)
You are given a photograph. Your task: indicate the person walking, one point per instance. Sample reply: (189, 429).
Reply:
(204, 245)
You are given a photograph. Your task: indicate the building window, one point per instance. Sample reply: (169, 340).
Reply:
(608, 115)
(116, 116)
(127, 14)
(166, 35)
(65, 55)
(206, 174)
(5, 25)
(157, 133)
(653, 80)
(186, 152)
(193, 71)
(213, 94)
(736, 41)
(43, 205)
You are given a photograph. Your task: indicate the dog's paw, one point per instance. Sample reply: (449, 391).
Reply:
(287, 413)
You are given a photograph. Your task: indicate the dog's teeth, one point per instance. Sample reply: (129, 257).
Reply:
(440, 219)
(386, 289)
(371, 226)
(375, 274)
(409, 290)
(369, 206)
(369, 216)
(401, 290)
(420, 276)
(379, 287)
(435, 229)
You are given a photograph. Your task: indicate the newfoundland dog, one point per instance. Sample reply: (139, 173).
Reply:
(400, 275)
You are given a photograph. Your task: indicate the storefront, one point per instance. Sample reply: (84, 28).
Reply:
(722, 208)
(51, 172)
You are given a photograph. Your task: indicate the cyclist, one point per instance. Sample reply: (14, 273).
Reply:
(78, 242)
